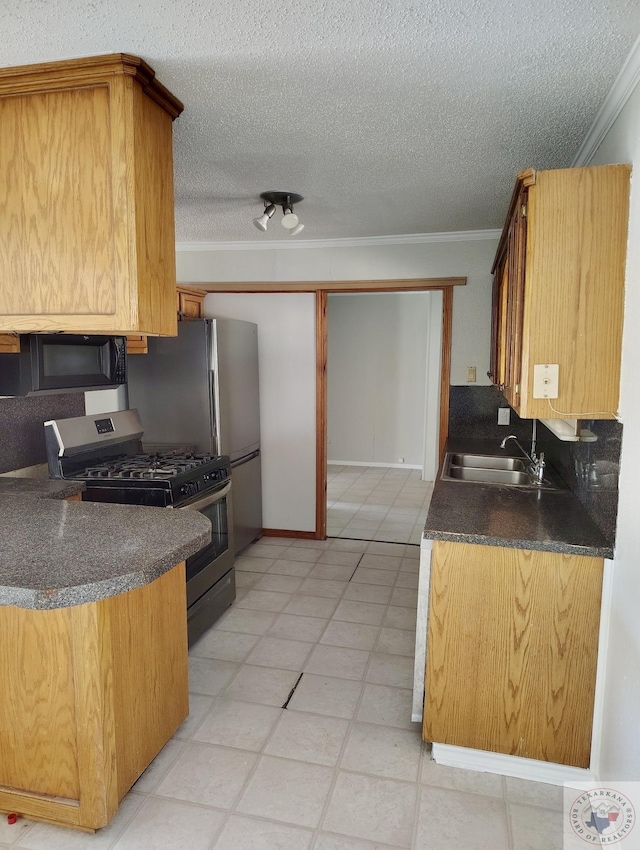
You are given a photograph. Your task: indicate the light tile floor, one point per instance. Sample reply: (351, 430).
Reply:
(376, 503)
(324, 628)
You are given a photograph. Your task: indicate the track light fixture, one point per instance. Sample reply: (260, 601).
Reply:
(286, 200)
(262, 221)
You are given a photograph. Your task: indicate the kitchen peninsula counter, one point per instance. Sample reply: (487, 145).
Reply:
(40, 488)
(495, 515)
(56, 553)
(93, 647)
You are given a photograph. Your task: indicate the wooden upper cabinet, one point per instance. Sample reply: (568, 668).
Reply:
(87, 237)
(558, 291)
(190, 303)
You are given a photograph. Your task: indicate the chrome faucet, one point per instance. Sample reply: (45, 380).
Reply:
(536, 462)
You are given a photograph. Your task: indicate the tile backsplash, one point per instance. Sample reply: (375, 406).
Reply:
(21, 426)
(590, 469)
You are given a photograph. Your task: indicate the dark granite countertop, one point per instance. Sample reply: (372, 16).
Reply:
(492, 515)
(42, 488)
(55, 554)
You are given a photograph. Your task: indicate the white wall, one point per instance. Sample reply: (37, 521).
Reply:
(470, 257)
(289, 494)
(620, 754)
(286, 353)
(376, 376)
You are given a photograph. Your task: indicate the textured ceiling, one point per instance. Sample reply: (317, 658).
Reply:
(396, 117)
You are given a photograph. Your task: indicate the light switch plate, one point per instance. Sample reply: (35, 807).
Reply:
(504, 415)
(545, 380)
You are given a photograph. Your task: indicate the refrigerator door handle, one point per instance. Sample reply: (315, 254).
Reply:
(245, 459)
(215, 413)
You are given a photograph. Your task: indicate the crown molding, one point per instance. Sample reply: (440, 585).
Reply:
(356, 242)
(619, 93)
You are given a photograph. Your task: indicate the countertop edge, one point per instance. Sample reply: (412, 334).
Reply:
(511, 543)
(82, 594)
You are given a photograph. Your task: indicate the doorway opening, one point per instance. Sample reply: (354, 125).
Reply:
(297, 481)
(383, 382)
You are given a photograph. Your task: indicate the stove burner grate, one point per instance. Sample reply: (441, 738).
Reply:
(157, 466)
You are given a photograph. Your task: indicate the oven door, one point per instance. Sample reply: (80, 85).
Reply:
(209, 565)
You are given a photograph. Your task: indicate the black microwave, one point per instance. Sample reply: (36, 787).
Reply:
(63, 363)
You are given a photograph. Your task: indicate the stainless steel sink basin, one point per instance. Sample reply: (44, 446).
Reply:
(490, 476)
(488, 462)
(492, 469)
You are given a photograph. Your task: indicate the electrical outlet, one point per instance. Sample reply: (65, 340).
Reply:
(471, 374)
(504, 415)
(545, 380)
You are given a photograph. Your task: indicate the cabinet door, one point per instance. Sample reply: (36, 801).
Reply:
(508, 307)
(190, 304)
(10, 343)
(58, 211)
(86, 216)
(515, 269)
(512, 651)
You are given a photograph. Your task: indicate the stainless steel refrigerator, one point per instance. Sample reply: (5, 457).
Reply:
(201, 388)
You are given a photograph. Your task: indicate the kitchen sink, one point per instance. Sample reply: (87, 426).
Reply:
(492, 469)
(488, 462)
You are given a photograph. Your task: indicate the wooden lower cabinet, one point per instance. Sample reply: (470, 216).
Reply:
(90, 695)
(512, 650)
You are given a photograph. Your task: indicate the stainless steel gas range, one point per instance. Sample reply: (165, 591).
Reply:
(106, 452)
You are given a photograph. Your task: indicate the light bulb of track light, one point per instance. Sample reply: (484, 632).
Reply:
(262, 221)
(289, 220)
(297, 229)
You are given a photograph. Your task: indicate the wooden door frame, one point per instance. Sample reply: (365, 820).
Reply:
(322, 289)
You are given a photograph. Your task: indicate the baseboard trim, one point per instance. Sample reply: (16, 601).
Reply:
(521, 768)
(284, 532)
(371, 463)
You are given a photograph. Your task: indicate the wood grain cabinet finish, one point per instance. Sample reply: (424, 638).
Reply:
(190, 306)
(87, 237)
(190, 303)
(90, 694)
(512, 651)
(10, 343)
(558, 292)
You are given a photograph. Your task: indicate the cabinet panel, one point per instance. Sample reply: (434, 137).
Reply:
(150, 683)
(87, 236)
(9, 344)
(37, 710)
(56, 166)
(91, 693)
(190, 303)
(562, 264)
(512, 651)
(155, 226)
(137, 344)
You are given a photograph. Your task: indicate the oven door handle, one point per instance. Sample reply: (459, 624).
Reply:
(209, 499)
